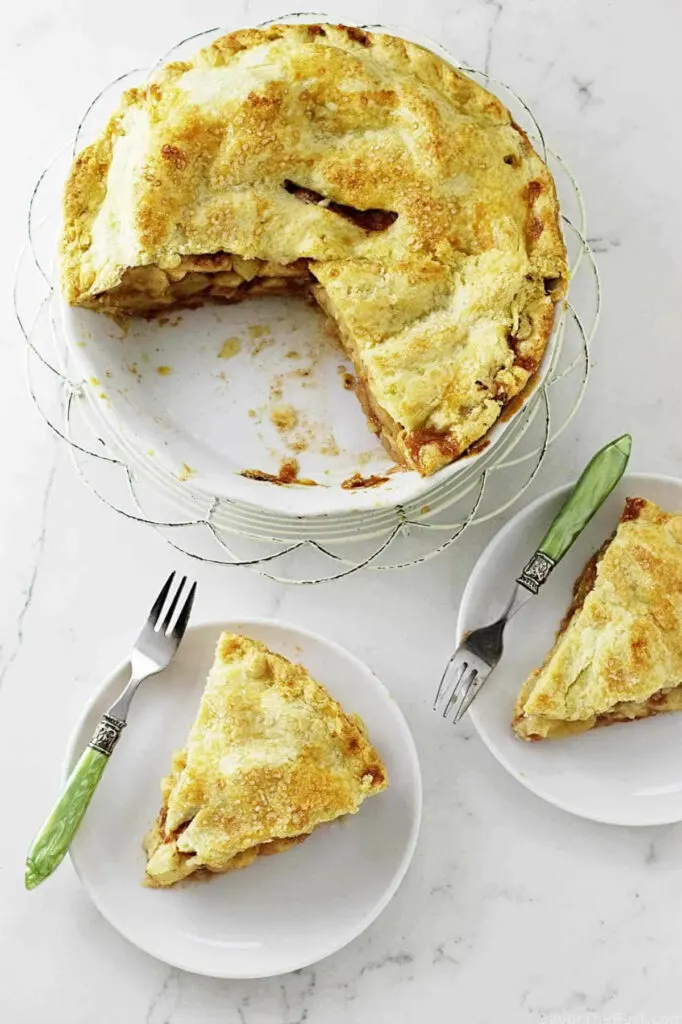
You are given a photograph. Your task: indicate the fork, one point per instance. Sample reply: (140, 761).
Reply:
(152, 652)
(481, 650)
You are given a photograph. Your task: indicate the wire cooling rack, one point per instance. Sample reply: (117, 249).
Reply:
(296, 549)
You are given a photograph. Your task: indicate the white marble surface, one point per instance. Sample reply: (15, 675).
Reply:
(512, 911)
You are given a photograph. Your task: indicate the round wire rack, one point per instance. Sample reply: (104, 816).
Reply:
(286, 548)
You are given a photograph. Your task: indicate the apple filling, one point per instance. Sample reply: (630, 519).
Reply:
(193, 280)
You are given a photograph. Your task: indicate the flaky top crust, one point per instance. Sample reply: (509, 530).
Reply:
(270, 756)
(624, 645)
(446, 311)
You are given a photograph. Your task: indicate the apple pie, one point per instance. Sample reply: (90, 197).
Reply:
(618, 653)
(270, 757)
(352, 167)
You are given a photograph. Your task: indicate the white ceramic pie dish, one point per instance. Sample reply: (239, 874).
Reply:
(209, 419)
(284, 912)
(627, 774)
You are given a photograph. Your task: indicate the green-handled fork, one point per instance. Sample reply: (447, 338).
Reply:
(152, 652)
(480, 651)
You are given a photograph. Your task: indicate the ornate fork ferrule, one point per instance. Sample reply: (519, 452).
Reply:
(107, 734)
(536, 572)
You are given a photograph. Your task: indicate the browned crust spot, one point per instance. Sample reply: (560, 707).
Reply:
(377, 774)
(633, 509)
(356, 34)
(175, 156)
(533, 190)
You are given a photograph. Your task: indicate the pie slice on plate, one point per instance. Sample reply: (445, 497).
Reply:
(618, 652)
(352, 167)
(270, 757)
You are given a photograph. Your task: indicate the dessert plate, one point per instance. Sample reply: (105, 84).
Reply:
(627, 774)
(279, 914)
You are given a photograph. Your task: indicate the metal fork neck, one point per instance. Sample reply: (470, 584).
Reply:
(119, 709)
(520, 596)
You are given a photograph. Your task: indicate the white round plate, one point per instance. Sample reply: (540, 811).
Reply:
(205, 419)
(282, 913)
(629, 774)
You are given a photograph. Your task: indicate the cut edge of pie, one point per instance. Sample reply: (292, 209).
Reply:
(442, 287)
(270, 757)
(637, 576)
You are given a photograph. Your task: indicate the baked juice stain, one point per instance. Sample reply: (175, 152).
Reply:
(288, 474)
(347, 379)
(357, 481)
(476, 448)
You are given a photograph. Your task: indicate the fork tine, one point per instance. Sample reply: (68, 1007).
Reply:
(459, 694)
(173, 605)
(441, 685)
(157, 607)
(468, 698)
(183, 618)
(455, 688)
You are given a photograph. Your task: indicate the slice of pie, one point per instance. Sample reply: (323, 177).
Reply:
(270, 757)
(618, 652)
(352, 167)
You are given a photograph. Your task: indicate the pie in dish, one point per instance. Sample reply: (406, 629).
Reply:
(354, 167)
(618, 653)
(270, 757)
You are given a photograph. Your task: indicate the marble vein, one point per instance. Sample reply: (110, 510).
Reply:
(164, 1003)
(398, 959)
(584, 89)
(497, 13)
(35, 570)
(442, 956)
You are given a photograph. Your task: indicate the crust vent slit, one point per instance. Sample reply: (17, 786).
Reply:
(368, 220)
